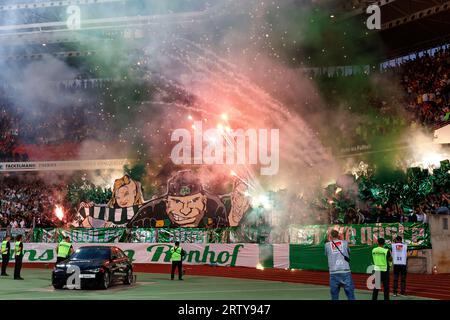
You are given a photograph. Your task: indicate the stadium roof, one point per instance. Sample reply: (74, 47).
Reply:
(409, 25)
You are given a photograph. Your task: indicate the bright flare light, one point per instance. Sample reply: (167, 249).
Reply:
(432, 159)
(232, 173)
(59, 212)
(261, 200)
(213, 140)
(189, 117)
(224, 116)
(259, 266)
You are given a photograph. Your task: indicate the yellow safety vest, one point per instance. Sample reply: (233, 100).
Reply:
(4, 249)
(18, 251)
(379, 256)
(176, 254)
(64, 249)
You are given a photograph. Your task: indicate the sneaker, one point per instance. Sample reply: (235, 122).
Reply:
(5, 275)
(395, 295)
(20, 278)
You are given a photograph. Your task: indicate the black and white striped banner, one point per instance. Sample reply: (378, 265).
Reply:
(116, 216)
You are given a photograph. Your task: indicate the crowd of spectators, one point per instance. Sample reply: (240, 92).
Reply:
(8, 134)
(426, 81)
(393, 212)
(27, 203)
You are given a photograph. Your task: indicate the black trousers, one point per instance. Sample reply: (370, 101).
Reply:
(400, 271)
(384, 275)
(5, 261)
(17, 266)
(59, 259)
(177, 264)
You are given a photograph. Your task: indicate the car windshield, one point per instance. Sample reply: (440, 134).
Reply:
(91, 254)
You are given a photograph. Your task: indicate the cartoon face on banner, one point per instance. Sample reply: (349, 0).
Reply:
(240, 203)
(187, 204)
(126, 193)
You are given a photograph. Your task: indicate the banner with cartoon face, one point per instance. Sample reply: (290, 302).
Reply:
(185, 204)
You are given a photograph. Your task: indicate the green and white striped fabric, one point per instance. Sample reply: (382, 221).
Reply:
(116, 216)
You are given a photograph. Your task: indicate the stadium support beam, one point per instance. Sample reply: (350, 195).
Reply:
(47, 4)
(362, 10)
(107, 22)
(416, 16)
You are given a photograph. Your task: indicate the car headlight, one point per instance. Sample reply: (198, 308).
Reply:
(60, 265)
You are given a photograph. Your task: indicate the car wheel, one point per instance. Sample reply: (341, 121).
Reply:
(58, 285)
(106, 280)
(128, 278)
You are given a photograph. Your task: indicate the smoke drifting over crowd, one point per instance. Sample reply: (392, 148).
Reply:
(243, 59)
(224, 66)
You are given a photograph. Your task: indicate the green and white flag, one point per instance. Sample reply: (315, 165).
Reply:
(100, 235)
(144, 235)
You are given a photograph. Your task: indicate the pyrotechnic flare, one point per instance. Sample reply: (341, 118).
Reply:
(59, 212)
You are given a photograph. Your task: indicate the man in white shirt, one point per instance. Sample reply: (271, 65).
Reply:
(421, 217)
(399, 259)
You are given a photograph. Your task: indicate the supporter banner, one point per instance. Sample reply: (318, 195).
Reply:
(143, 235)
(100, 235)
(165, 210)
(63, 165)
(184, 235)
(244, 255)
(281, 256)
(13, 232)
(308, 257)
(416, 235)
(294, 256)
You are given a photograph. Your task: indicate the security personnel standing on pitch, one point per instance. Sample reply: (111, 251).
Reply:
(64, 250)
(176, 258)
(381, 259)
(6, 253)
(18, 254)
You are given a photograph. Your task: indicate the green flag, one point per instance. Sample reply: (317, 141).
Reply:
(447, 116)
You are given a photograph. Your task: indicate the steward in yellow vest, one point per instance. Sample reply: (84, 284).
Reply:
(177, 254)
(381, 260)
(64, 250)
(18, 256)
(6, 253)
